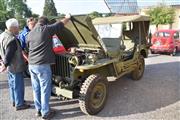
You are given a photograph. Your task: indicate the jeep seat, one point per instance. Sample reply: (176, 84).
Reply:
(112, 46)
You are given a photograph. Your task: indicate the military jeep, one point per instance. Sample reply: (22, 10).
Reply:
(92, 59)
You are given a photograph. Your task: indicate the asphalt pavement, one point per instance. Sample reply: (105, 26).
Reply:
(155, 97)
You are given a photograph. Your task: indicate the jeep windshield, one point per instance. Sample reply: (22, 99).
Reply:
(109, 30)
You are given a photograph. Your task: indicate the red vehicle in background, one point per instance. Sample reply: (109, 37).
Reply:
(166, 41)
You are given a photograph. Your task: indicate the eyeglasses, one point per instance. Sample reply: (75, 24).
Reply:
(30, 19)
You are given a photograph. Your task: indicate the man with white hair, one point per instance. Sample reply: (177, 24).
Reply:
(12, 60)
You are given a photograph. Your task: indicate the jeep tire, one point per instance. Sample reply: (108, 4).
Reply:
(139, 71)
(93, 94)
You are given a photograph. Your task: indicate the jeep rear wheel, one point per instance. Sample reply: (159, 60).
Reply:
(93, 94)
(139, 71)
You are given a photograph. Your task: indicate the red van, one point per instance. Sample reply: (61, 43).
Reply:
(167, 41)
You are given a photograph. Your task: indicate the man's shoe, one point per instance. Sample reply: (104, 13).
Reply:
(14, 103)
(22, 107)
(49, 115)
(38, 114)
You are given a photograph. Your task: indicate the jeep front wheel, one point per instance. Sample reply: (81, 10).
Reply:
(139, 71)
(93, 94)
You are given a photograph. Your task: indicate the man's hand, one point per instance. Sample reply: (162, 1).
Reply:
(2, 67)
(25, 56)
(66, 19)
(68, 16)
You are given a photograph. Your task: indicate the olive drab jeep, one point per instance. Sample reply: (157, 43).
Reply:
(97, 52)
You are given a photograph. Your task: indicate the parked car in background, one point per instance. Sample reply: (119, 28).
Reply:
(166, 41)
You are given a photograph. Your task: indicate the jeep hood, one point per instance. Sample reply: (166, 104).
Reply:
(79, 32)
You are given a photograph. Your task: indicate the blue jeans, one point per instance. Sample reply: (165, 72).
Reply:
(41, 84)
(16, 88)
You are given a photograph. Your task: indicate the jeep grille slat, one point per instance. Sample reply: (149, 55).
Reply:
(62, 66)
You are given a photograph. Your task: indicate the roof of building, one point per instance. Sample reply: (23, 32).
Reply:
(122, 6)
(120, 19)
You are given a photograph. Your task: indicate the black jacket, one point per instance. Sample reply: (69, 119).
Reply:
(39, 42)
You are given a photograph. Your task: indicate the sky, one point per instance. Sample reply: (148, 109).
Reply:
(85, 6)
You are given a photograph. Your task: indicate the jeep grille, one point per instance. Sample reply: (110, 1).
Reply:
(62, 66)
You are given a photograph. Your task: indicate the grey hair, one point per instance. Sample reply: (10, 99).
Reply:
(12, 23)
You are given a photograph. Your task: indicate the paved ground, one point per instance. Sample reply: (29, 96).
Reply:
(155, 97)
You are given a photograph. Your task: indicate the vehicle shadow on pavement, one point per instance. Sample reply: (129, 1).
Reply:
(158, 88)
(59, 102)
(69, 112)
(153, 55)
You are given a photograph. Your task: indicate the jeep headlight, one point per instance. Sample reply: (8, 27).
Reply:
(92, 58)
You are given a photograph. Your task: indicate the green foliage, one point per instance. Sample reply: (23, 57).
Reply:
(2, 5)
(20, 8)
(22, 23)
(16, 8)
(61, 15)
(161, 15)
(108, 14)
(4, 13)
(95, 14)
(35, 15)
(49, 8)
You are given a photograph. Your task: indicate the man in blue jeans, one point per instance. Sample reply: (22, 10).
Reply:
(41, 56)
(12, 60)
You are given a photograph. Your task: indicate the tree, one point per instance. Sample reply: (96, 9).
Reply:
(49, 8)
(161, 15)
(95, 14)
(35, 15)
(4, 13)
(20, 8)
(14, 8)
(61, 15)
(108, 14)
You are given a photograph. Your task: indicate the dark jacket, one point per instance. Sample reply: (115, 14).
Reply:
(11, 52)
(39, 43)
